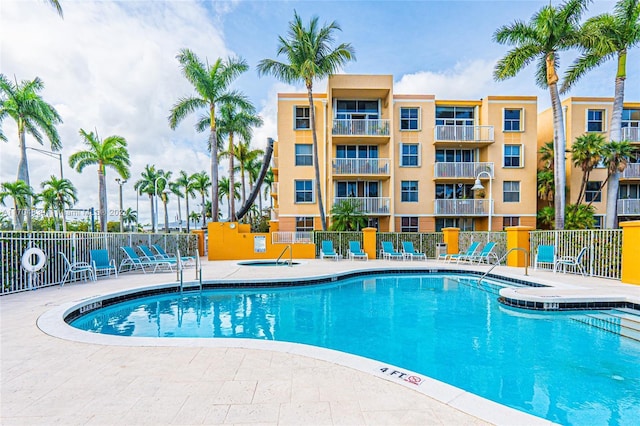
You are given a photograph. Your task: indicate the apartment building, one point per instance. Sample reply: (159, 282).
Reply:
(410, 161)
(590, 114)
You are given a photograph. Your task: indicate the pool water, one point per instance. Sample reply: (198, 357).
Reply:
(448, 328)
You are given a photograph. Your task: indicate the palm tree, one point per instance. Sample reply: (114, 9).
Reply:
(231, 122)
(605, 37)
(310, 56)
(56, 4)
(269, 180)
(163, 186)
(586, 153)
(347, 216)
(551, 29)
(147, 185)
(64, 195)
(245, 155)
(225, 184)
(546, 187)
(185, 181)
(201, 183)
(32, 115)
(253, 167)
(48, 199)
(21, 193)
(211, 83)
(194, 217)
(129, 217)
(110, 152)
(546, 152)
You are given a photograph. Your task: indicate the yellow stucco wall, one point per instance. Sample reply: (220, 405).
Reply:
(630, 252)
(234, 241)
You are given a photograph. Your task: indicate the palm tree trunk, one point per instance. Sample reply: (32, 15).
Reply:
(611, 220)
(559, 143)
(102, 189)
(64, 219)
(316, 162)
(153, 214)
(179, 215)
(213, 144)
(23, 172)
(244, 185)
(204, 215)
(166, 216)
(231, 199)
(186, 197)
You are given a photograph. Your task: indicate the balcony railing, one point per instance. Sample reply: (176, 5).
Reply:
(631, 134)
(274, 188)
(360, 127)
(629, 207)
(361, 166)
(632, 171)
(470, 207)
(464, 133)
(368, 205)
(462, 170)
(274, 162)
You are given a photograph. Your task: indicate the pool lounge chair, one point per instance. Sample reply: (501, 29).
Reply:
(470, 252)
(186, 260)
(388, 252)
(485, 255)
(546, 255)
(133, 261)
(410, 252)
(574, 261)
(355, 251)
(151, 255)
(101, 263)
(327, 251)
(83, 269)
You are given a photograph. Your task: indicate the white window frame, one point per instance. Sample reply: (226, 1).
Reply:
(604, 120)
(409, 228)
(521, 120)
(418, 120)
(295, 117)
(521, 157)
(295, 192)
(511, 191)
(305, 228)
(302, 155)
(409, 192)
(510, 220)
(419, 155)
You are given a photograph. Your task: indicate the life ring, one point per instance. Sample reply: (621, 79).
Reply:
(26, 259)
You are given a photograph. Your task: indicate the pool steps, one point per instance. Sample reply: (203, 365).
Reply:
(625, 322)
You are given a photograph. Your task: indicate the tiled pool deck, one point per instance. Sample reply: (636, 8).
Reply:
(70, 377)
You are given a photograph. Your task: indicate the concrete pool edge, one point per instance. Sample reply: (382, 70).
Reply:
(52, 323)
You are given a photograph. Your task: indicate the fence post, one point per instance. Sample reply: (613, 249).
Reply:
(630, 252)
(518, 237)
(369, 242)
(451, 236)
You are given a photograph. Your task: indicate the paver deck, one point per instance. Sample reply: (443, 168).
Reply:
(47, 379)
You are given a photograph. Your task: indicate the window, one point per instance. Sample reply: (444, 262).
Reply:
(304, 191)
(455, 156)
(409, 155)
(302, 118)
(304, 155)
(629, 191)
(409, 191)
(592, 193)
(357, 110)
(631, 124)
(449, 191)
(357, 151)
(408, 118)
(357, 189)
(512, 155)
(511, 191)
(466, 224)
(304, 224)
(595, 120)
(409, 224)
(454, 116)
(510, 221)
(512, 120)
(597, 221)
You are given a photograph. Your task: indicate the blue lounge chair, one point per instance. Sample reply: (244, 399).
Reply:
(327, 251)
(574, 261)
(187, 260)
(151, 255)
(388, 252)
(355, 251)
(546, 255)
(485, 255)
(470, 252)
(133, 261)
(410, 252)
(101, 263)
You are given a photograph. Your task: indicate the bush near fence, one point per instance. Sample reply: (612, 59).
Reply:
(76, 246)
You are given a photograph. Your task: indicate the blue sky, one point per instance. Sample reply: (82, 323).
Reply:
(110, 66)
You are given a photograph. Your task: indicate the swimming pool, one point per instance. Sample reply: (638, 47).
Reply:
(548, 364)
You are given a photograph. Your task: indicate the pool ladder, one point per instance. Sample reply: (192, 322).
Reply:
(288, 247)
(180, 269)
(526, 262)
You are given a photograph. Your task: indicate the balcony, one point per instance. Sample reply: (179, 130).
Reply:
(461, 170)
(471, 135)
(361, 166)
(360, 127)
(469, 207)
(632, 171)
(274, 162)
(274, 189)
(629, 207)
(631, 134)
(368, 205)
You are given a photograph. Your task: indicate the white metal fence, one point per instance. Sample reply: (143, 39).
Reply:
(361, 166)
(604, 248)
(284, 237)
(461, 207)
(367, 205)
(76, 246)
(361, 127)
(461, 170)
(464, 133)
